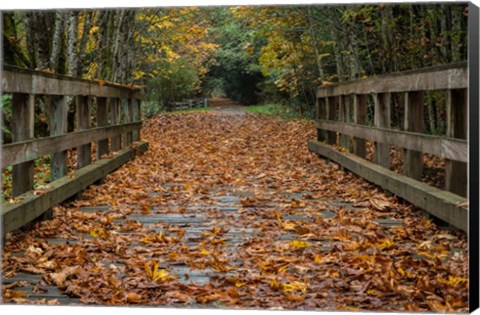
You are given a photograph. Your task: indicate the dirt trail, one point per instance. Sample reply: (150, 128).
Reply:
(235, 212)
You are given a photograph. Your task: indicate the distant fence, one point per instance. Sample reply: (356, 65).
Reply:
(189, 104)
(115, 130)
(341, 120)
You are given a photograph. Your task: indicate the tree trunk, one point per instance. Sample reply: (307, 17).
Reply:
(41, 38)
(72, 33)
(115, 74)
(30, 37)
(83, 43)
(57, 41)
(103, 56)
(315, 46)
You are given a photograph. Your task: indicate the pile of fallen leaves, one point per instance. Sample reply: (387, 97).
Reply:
(293, 256)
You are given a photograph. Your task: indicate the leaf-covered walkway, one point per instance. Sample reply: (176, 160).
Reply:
(229, 209)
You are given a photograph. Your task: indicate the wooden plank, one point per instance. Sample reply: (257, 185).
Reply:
(136, 117)
(321, 114)
(102, 120)
(344, 116)
(22, 151)
(359, 118)
(34, 205)
(442, 204)
(455, 149)
(413, 121)
(58, 125)
(427, 79)
(17, 80)
(128, 118)
(457, 116)
(332, 103)
(84, 152)
(382, 120)
(115, 119)
(22, 129)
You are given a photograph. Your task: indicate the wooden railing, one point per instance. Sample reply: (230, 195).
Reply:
(115, 130)
(342, 118)
(189, 104)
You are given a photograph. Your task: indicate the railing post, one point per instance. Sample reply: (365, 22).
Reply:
(344, 116)
(115, 119)
(332, 102)
(125, 119)
(22, 123)
(84, 152)
(58, 125)
(137, 114)
(130, 119)
(359, 118)
(382, 120)
(456, 172)
(413, 121)
(321, 115)
(102, 120)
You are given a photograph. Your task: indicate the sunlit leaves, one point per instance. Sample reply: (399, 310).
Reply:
(153, 272)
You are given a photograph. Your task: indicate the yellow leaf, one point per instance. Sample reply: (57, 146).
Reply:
(203, 251)
(275, 285)
(97, 232)
(386, 244)
(161, 275)
(299, 244)
(453, 281)
(153, 273)
(295, 286)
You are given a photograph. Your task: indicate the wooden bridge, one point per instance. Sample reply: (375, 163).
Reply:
(246, 218)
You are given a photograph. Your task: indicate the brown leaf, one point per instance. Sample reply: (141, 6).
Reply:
(380, 204)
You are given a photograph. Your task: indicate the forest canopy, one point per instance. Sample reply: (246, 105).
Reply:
(250, 54)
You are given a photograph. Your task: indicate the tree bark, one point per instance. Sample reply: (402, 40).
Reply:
(30, 37)
(57, 41)
(83, 43)
(41, 38)
(72, 34)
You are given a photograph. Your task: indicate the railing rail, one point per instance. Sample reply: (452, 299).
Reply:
(190, 103)
(341, 119)
(114, 127)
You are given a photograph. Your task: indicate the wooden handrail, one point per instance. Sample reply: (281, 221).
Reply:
(24, 151)
(450, 148)
(19, 80)
(453, 76)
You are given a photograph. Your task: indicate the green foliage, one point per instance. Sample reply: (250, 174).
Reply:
(175, 81)
(274, 110)
(6, 105)
(235, 71)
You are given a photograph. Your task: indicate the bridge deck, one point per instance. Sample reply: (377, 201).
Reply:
(237, 213)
